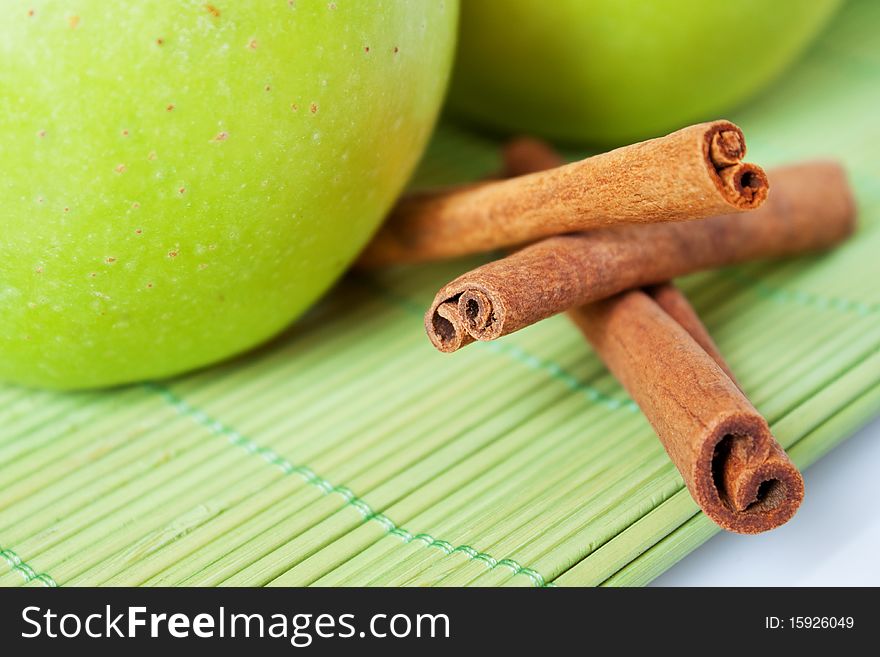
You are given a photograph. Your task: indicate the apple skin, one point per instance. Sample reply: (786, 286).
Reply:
(610, 72)
(181, 180)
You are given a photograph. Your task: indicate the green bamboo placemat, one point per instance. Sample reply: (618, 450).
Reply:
(349, 452)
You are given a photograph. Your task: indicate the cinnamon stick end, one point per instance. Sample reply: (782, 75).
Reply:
(776, 490)
(745, 185)
(727, 146)
(445, 327)
(840, 200)
(483, 317)
(747, 485)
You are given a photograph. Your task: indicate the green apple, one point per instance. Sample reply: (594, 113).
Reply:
(180, 179)
(615, 71)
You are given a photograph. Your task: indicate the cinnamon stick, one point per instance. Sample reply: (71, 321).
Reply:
(733, 467)
(811, 208)
(675, 304)
(693, 173)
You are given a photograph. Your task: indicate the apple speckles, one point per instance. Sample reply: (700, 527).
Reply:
(211, 9)
(41, 134)
(149, 285)
(211, 93)
(367, 49)
(66, 209)
(331, 6)
(40, 200)
(395, 50)
(120, 169)
(31, 13)
(124, 132)
(109, 260)
(73, 22)
(38, 270)
(252, 44)
(173, 254)
(221, 136)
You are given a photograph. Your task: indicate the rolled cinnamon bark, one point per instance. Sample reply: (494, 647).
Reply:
(693, 173)
(675, 304)
(723, 448)
(448, 332)
(811, 208)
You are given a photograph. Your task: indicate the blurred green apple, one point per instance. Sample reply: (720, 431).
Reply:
(180, 179)
(615, 71)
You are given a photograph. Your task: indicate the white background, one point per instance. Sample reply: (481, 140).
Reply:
(834, 540)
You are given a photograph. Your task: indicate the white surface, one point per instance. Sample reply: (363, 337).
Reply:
(834, 540)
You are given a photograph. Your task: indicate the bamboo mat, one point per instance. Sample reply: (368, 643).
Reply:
(349, 452)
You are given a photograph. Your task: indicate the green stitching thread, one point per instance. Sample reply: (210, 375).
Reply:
(250, 447)
(490, 561)
(216, 427)
(47, 581)
(468, 550)
(15, 563)
(487, 559)
(533, 575)
(802, 298)
(558, 372)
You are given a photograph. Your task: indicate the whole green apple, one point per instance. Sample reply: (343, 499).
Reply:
(616, 71)
(180, 179)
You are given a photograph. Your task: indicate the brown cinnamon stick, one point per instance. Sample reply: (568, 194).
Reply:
(675, 304)
(723, 448)
(811, 208)
(693, 173)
